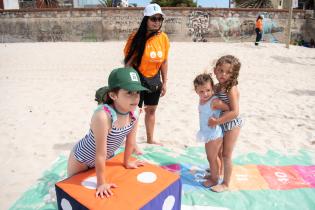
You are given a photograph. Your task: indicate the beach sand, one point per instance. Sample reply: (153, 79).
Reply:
(47, 99)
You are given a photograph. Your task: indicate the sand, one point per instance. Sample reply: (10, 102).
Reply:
(47, 92)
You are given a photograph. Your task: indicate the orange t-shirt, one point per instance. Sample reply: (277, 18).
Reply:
(259, 24)
(155, 53)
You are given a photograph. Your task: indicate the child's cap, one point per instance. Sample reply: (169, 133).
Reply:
(125, 78)
(152, 9)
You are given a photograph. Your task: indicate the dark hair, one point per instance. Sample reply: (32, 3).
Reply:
(102, 96)
(259, 17)
(137, 46)
(235, 66)
(202, 79)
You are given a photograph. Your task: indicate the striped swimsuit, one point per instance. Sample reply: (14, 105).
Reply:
(84, 151)
(237, 122)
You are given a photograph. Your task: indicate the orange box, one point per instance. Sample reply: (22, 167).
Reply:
(147, 187)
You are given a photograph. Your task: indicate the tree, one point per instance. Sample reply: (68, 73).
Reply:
(47, 3)
(106, 3)
(175, 3)
(253, 3)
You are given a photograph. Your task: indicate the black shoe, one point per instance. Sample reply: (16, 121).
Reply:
(256, 43)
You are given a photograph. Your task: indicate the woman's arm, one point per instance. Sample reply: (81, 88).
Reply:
(164, 69)
(100, 126)
(234, 109)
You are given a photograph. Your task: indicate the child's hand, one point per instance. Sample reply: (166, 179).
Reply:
(213, 122)
(134, 164)
(104, 190)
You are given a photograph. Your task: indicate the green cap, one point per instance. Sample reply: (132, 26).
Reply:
(125, 78)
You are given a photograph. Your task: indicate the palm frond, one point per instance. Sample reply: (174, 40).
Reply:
(254, 4)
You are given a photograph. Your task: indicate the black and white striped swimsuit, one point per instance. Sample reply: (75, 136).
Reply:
(85, 150)
(237, 122)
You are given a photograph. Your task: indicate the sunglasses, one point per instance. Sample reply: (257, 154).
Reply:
(156, 19)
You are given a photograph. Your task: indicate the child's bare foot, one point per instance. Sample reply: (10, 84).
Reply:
(220, 188)
(209, 183)
(155, 142)
(207, 176)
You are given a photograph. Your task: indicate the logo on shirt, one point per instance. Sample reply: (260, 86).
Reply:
(159, 54)
(154, 54)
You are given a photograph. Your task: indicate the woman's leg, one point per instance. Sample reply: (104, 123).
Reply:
(212, 151)
(75, 166)
(149, 119)
(229, 141)
(257, 36)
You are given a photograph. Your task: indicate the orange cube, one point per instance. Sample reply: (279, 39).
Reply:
(147, 187)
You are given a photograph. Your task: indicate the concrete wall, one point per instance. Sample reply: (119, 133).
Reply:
(181, 24)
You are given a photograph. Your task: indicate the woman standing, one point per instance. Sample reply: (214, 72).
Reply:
(259, 29)
(147, 51)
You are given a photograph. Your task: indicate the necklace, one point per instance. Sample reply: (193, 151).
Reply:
(120, 113)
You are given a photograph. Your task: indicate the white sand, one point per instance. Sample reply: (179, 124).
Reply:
(47, 92)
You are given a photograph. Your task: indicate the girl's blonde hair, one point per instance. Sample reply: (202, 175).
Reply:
(203, 78)
(235, 66)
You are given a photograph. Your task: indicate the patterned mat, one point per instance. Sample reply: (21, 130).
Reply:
(270, 181)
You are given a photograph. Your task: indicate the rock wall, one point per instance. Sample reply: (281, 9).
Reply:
(181, 24)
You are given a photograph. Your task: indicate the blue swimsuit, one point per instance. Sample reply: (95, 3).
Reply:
(84, 151)
(207, 133)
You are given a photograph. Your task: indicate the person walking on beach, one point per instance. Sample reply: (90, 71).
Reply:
(147, 51)
(114, 120)
(209, 106)
(259, 29)
(227, 70)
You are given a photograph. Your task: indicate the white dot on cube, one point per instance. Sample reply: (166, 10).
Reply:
(65, 204)
(89, 183)
(169, 203)
(146, 177)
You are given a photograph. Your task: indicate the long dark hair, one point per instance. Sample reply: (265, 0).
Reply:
(137, 46)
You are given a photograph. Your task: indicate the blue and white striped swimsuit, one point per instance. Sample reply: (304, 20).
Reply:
(237, 122)
(85, 150)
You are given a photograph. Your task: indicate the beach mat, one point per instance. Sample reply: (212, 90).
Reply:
(269, 181)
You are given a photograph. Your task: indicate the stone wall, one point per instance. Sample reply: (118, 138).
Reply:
(181, 24)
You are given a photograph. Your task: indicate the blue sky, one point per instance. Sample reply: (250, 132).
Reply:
(203, 3)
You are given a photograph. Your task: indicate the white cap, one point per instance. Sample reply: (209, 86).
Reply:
(152, 9)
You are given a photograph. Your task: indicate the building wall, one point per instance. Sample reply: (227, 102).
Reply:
(181, 24)
(11, 4)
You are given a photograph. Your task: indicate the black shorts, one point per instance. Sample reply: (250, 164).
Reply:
(151, 99)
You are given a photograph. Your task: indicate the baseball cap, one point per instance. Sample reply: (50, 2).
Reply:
(152, 9)
(125, 78)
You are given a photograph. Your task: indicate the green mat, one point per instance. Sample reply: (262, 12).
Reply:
(191, 164)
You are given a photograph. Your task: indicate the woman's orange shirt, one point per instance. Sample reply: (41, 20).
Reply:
(259, 24)
(155, 53)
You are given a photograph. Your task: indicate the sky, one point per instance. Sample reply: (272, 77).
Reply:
(203, 3)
